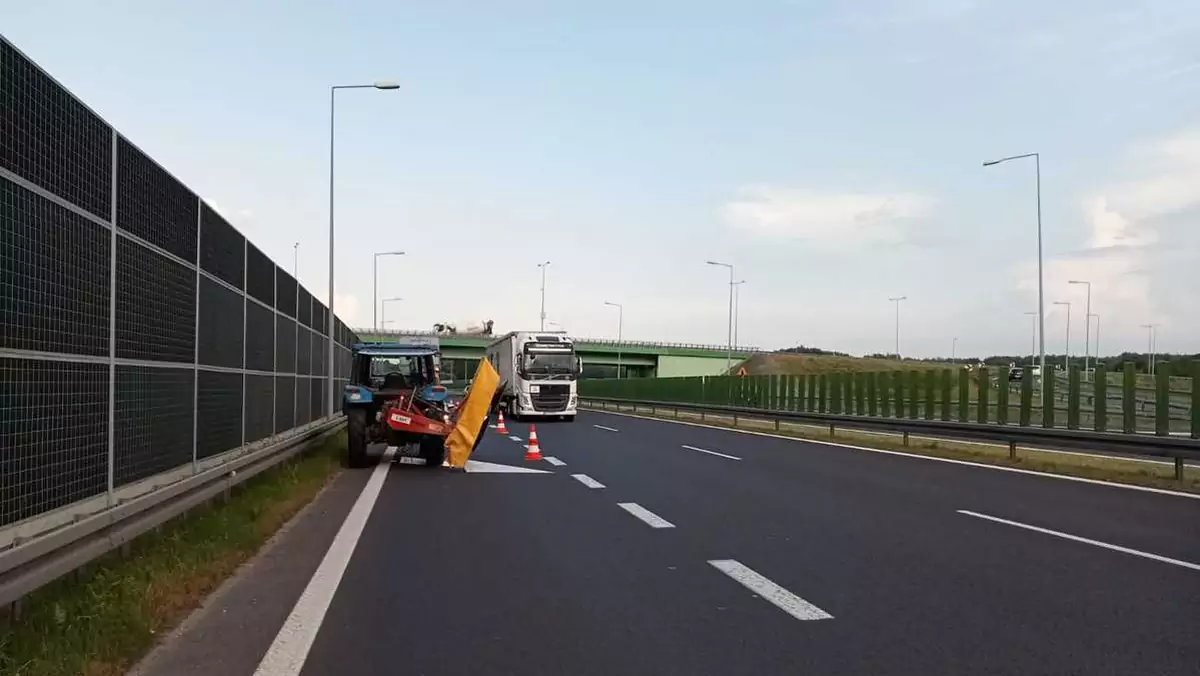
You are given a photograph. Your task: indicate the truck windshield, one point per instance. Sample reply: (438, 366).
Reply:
(554, 365)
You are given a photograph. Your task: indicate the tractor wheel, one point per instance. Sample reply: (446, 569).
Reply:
(356, 438)
(433, 449)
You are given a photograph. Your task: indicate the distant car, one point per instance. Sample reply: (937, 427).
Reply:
(1016, 373)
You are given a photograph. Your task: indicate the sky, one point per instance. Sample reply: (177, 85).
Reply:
(831, 151)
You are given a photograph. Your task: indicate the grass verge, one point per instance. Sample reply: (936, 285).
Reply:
(1120, 470)
(100, 621)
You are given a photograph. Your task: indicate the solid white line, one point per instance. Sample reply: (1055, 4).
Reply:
(783, 599)
(587, 481)
(653, 520)
(1076, 538)
(287, 653)
(998, 468)
(515, 438)
(701, 450)
(553, 460)
(606, 429)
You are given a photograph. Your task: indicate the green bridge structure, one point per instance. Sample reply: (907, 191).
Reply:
(638, 359)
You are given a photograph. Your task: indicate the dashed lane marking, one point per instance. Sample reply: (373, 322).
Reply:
(701, 450)
(769, 591)
(650, 518)
(553, 461)
(606, 429)
(587, 481)
(515, 437)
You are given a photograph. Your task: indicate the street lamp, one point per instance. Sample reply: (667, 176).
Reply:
(1151, 336)
(620, 325)
(384, 308)
(897, 300)
(375, 281)
(953, 348)
(732, 286)
(296, 261)
(329, 325)
(1041, 320)
(1087, 329)
(543, 266)
(1067, 356)
(1033, 337)
(1097, 336)
(737, 308)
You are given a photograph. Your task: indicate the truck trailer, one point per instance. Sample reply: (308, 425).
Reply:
(539, 371)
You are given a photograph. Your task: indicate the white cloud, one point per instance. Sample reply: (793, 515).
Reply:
(833, 218)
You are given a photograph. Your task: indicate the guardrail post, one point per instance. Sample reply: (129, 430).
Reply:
(983, 386)
(906, 438)
(1179, 469)
(1012, 450)
(947, 385)
(1162, 399)
(964, 394)
(1073, 398)
(1002, 392)
(1048, 399)
(1100, 398)
(832, 433)
(1128, 396)
(872, 395)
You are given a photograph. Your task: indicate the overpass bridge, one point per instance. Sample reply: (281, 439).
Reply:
(637, 359)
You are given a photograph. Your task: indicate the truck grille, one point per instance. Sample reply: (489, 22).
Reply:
(551, 398)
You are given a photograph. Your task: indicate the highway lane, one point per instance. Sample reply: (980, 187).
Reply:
(746, 554)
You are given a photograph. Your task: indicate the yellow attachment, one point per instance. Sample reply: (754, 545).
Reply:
(472, 415)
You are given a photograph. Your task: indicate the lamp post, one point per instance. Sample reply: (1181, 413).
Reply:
(329, 324)
(1097, 353)
(543, 266)
(375, 282)
(1033, 337)
(953, 348)
(383, 309)
(1087, 329)
(296, 261)
(732, 286)
(737, 308)
(1067, 356)
(897, 300)
(620, 325)
(1041, 320)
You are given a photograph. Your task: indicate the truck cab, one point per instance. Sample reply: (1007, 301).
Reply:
(540, 370)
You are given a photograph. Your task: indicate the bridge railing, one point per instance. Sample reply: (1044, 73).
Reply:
(578, 340)
(144, 342)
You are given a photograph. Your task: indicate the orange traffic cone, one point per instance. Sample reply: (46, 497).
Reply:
(500, 425)
(533, 451)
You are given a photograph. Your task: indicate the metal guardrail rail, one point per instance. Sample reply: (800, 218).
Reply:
(27, 566)
(1177, 448)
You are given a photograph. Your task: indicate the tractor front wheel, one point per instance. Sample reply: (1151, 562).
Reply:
(433, 450)
(356, 438)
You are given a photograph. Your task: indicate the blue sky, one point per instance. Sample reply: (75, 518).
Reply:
(831, 151)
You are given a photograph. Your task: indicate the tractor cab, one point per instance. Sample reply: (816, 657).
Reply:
(387, 370)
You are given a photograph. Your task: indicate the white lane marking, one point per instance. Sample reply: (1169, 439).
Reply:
(492, 426)
(968, 463)
(290, 648)
(701, 450)
(481, 467)
(783, 599)
(587, 481)
(653, 520)
(553, 460)
(515, 437)
(606, 429)
(1076, 538)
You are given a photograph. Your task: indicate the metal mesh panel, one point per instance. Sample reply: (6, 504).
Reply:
(320, 317)
(260, 337)
(219, 413)
(220, 330)
(285, 293)
(53, 435)
(304, 307)
(285, 403)
(320, 354)
(303, 350)
(222, 248)
(54, 267)
(315, 387)
(260, 275)
(153, 431)
(153, 205)
(156, 301)
(260, 407)
(49, 138)
(285, 345)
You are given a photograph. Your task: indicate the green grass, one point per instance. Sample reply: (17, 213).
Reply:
(101, 621)
(1103, 468)
(803, 364)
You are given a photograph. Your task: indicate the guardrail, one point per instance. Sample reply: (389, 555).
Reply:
(27, 566)
(1177, 448)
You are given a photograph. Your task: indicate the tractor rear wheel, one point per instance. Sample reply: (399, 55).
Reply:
(356, 438)
(433, 450)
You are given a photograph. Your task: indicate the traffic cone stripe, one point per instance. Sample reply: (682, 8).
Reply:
(533, 451)
(500, 425)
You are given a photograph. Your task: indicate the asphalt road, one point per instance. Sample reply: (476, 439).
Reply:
(716, 552)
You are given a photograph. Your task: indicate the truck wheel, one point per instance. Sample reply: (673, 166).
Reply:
(356, 438)
(433, 449)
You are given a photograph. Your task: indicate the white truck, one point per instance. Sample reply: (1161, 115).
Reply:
(539, 371)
